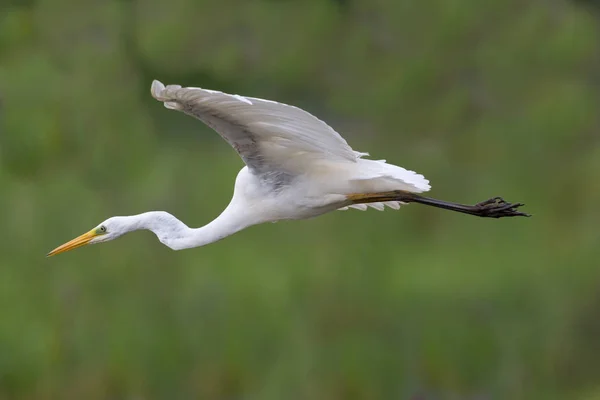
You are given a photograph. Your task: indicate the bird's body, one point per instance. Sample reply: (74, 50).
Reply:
(297, 167)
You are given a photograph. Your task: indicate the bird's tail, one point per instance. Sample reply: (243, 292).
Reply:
(374, 176)
(380, 176)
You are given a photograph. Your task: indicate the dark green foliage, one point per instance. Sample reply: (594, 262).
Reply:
(485, 98)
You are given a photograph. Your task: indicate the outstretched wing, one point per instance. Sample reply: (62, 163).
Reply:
(269, 136)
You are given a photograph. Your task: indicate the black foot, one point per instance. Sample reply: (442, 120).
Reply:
(498, 208)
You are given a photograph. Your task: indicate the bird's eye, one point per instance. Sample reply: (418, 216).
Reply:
(102, 229)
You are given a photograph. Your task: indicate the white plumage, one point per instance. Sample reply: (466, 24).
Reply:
(280, 141)
(297, 167)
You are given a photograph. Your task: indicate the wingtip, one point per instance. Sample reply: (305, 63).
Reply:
(156, 89)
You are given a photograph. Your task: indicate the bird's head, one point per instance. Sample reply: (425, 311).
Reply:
(110, 229)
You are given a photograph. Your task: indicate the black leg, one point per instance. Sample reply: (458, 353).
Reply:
(495, 207)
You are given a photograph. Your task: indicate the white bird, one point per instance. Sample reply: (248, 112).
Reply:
(297, 167)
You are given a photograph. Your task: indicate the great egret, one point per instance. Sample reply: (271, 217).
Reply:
(296, 167)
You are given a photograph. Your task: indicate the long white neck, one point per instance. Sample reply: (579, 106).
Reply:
(178, 236)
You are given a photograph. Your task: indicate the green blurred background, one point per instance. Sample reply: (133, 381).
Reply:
(485, 98)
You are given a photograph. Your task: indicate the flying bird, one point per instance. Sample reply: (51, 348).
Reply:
(297, 167)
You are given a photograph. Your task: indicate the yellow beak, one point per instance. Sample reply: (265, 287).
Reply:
(75, 243)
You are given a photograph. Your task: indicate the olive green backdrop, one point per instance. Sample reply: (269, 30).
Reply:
(485, 98)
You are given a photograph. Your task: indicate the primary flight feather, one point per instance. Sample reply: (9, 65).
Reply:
(297, 167)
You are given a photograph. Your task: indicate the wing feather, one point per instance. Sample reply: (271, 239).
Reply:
(269, 136)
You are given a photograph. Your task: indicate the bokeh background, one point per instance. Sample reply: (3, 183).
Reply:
(485, 98)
